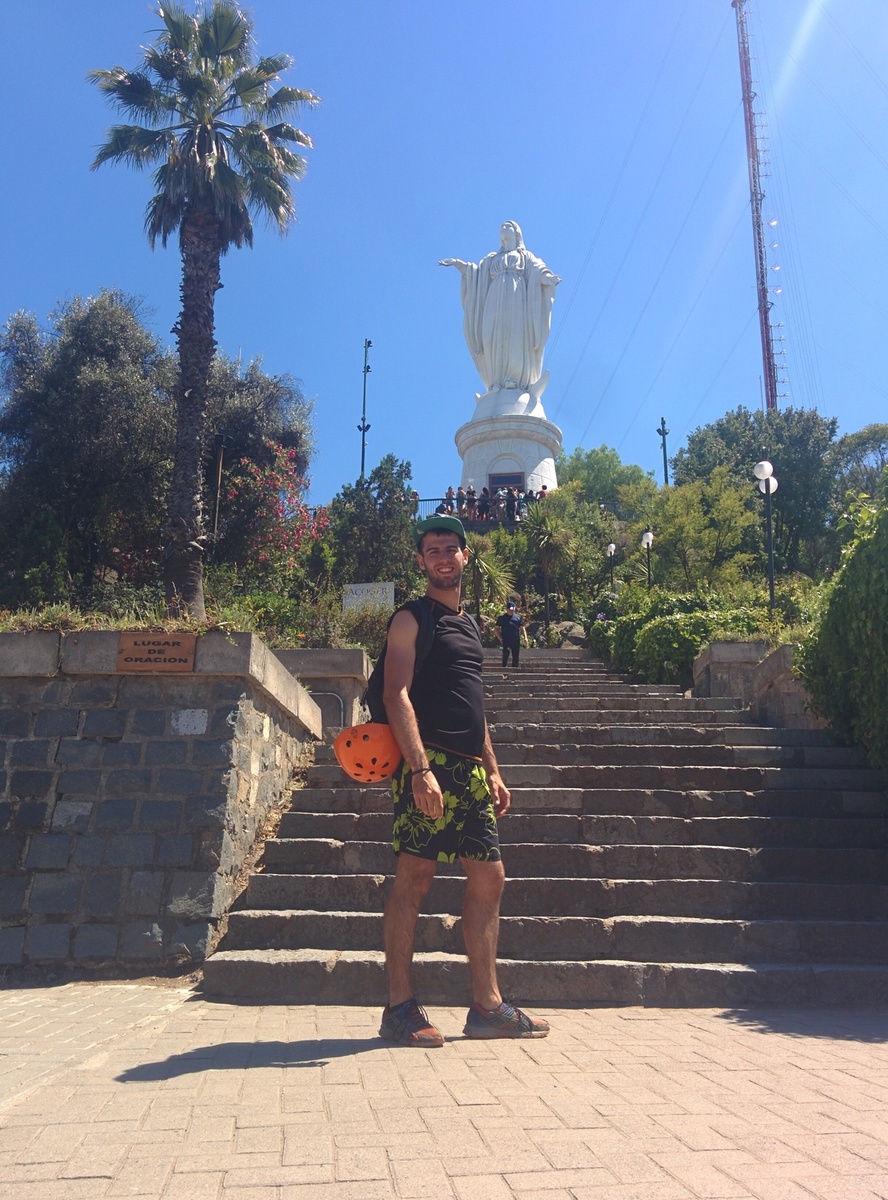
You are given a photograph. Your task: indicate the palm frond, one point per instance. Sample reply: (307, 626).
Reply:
(134, 145)
(288, 133)
(181, 28)
(288, 99)
(271, 196)
(224, 31)
(271, 65)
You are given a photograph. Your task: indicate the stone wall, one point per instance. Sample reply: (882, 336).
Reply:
(336, 680)
(727, 668)
(129, 802)
(778, 697)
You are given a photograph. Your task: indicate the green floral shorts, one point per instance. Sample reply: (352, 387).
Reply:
(468, 827)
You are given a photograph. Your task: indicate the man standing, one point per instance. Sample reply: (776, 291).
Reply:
(508, 630)
(448, 794)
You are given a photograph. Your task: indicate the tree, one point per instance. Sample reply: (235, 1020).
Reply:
(370, 536)
(86, 429)
(553, 542)
(701, 529)
(859, 460)
(600, 473)
(205, 105)
(798, 442)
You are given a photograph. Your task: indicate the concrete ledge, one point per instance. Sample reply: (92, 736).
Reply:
(726, 669)
(337, 677)
(94, 652)
(30, 653)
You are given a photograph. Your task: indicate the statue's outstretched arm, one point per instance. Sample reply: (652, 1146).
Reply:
(454, 262)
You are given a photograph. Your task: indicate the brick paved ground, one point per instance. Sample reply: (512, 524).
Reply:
(133, 1090)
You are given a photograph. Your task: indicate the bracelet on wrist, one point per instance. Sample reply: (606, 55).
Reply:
(422, 771)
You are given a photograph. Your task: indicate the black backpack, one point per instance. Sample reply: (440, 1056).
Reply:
(372, 698)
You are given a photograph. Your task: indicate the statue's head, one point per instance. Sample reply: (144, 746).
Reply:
(510, 231)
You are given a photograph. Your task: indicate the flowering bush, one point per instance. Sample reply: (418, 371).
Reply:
(267, 514)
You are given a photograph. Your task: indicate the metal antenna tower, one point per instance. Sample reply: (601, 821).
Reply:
(756, 195)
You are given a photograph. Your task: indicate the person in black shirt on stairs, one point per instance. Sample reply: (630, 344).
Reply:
(448, 794)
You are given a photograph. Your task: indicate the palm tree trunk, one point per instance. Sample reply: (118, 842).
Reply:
(185, 538)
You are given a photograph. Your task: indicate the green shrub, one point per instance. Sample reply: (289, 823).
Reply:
(844, 660)
(665, 648)
(599, 635)
(622, 641)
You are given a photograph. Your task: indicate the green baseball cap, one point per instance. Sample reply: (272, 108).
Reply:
(439, 524)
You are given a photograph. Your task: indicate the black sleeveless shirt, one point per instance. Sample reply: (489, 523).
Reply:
(447, 694)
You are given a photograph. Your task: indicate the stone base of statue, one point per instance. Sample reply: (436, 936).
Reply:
(508, 441)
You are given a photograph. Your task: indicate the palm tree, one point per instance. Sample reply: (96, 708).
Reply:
(553, 542)
(205, 107)
(491, 578)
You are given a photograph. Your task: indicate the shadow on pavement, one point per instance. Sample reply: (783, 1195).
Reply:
(242, 1056)
(841, 1025)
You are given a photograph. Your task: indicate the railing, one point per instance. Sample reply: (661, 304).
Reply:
(426, 508)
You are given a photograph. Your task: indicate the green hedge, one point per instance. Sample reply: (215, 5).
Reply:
(844, 660)
(659, 634)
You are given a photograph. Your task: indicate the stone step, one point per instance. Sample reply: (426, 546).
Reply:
(356, 977)
(529, 694)
(523, 764)
(635, 734)
(635, 939)
(571, 897)
(595, 830)
(661, 849)
(654, 714)
(516, 707)
(685, 776)
(627, 801)
(533, 859)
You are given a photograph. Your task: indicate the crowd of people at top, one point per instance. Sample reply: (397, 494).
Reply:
(502, 504)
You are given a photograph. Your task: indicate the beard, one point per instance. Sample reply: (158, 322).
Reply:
(448, 583)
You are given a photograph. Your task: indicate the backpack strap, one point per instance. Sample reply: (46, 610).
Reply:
(421, 610)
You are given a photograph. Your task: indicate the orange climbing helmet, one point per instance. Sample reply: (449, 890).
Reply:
(368, 753)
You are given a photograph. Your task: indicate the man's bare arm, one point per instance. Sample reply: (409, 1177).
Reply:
(400, 661)
(502, 797)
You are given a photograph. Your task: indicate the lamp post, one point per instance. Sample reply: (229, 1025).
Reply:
(647, 540)
(363, 427)
(764, 473)
(611, 551)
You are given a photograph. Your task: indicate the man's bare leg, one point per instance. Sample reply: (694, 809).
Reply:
(413, 878)
(480, 927)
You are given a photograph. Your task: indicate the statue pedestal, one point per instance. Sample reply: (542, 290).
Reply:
(509, 435)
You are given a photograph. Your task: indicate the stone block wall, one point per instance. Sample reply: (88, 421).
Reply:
(727, 668)
(129, 802)
(336, 680)
(779, 698)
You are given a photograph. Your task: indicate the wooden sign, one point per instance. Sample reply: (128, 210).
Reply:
(156, 652)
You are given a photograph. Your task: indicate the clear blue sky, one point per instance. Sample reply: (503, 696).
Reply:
(612, 133)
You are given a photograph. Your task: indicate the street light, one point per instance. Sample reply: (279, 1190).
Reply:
(611, 551)
(764, 473)
(647, 540)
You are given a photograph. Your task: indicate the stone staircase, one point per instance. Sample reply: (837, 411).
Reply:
(661, 850)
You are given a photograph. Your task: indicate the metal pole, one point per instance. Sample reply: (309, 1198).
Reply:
(770, 547)
(662, 431)
(649, 566)
(363, 427)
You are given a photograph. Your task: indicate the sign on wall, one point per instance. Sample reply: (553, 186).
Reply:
(368, 595)
(156, 652)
